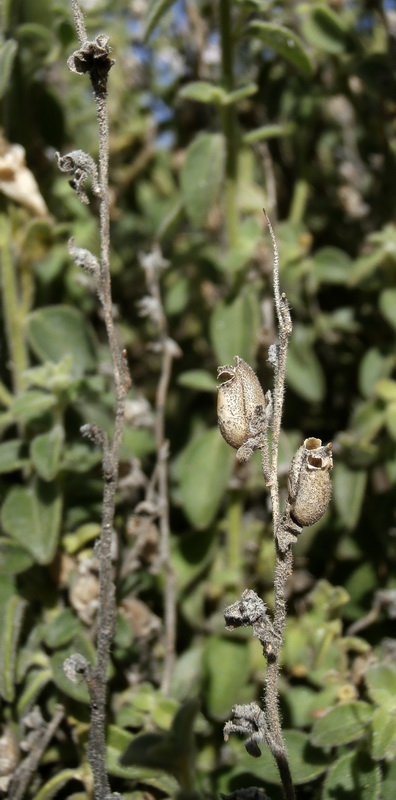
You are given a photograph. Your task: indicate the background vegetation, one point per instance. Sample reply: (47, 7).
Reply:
(214, 115)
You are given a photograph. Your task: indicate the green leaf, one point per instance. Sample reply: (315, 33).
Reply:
(62, 629)
(349, 487)
(383, 734)
(13, 557)
(36, 39)
(387, 306)
(234, 328)
(202, 176)
(390, 419)
(344, 723)
(268, 132)
(77, 691)
(10, 625)
(332, 265)
(118, 740)
(11, 457)
(324, 30)
(227, 670)
(381, 685)
(304, 373)
(203, 92)
(45, 451)
(351, 777)
(373, 366)
(306, 762)
(386, 390)
(36, 681)
(203, 470)
(57, 331)
(7, 54)
(285, 43)
(32, 405)
(197, 379)
(156, 10)
(229, 98)
(53, 786)
(32, 517)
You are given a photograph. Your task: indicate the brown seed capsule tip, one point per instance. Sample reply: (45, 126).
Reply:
(312, 443)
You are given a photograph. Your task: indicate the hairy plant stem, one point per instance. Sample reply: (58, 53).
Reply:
(13, 315)
(111, 455)
(228, 122)
(283, 557)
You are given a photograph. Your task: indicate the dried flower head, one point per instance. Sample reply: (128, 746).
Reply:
(309, 483)
(238, 400)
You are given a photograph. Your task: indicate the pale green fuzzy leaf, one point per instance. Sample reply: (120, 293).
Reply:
(234, 328)
(53, 786)
(11, 457)
(198, 379)
(285, 43)
(387, 306)
(345, 723)
(36, 681)
(349, 487)
(57, 331)
(203, 470)
(304, 373)
(45, 451)
(32, 517)
(202, 92)
(202, 176)
(226, 668)
(11, 615)
(383, 734)
(381, 685)
(324, 30)
(31, 405)
(353, 776)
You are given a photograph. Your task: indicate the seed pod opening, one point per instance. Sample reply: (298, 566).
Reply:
(237, 400)
(309, 482)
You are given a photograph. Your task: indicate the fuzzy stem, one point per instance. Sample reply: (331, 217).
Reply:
(228, 120)
(13, 318)
(283, 559)
(111, 455)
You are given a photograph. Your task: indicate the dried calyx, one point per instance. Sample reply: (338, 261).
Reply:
(309, 484)
(240, 403)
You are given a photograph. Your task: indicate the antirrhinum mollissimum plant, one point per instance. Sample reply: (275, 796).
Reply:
(246, 417)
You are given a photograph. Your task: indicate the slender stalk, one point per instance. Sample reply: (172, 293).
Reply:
(106, 611)
(13, 319)
(228, 121)
(283, 559)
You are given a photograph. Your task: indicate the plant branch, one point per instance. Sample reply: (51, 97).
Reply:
(93, 58)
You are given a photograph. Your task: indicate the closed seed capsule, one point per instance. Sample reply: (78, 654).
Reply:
(309, 482)
(237, 401)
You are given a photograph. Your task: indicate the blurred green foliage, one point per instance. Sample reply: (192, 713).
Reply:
(302, 97)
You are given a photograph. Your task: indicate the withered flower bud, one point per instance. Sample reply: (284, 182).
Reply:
(309, 482)
(238, 400)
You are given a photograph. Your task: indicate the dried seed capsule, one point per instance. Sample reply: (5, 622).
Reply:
(237, 402)
(309, 482)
